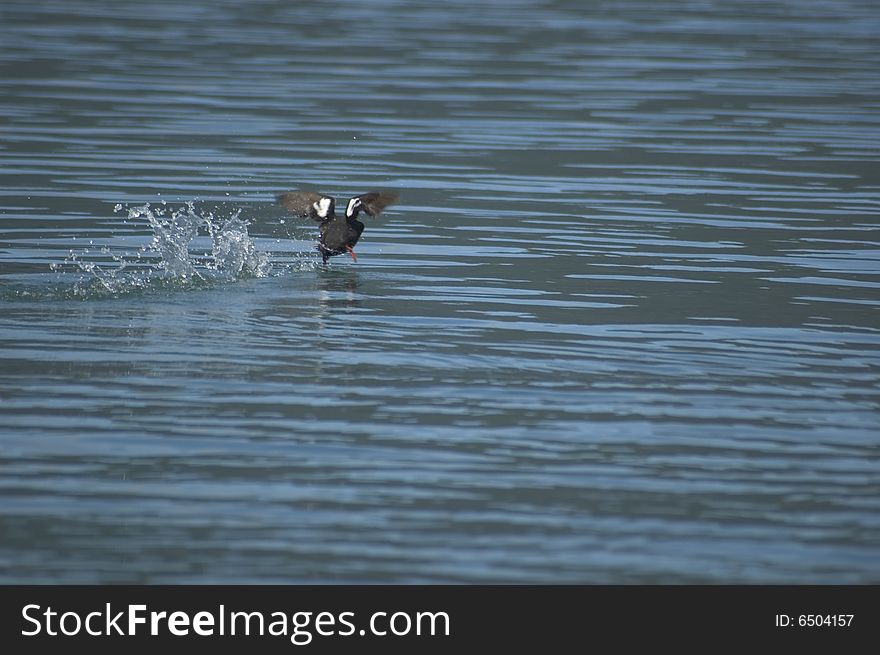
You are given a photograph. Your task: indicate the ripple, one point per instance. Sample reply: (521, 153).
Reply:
(625, 310)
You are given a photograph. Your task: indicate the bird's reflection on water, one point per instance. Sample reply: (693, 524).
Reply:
(337, 286)
(337, 291)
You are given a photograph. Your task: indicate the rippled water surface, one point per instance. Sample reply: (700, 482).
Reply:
(621, 327)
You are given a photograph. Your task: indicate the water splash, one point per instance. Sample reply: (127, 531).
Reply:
(172, 258)
(233, 252)
(172, 236)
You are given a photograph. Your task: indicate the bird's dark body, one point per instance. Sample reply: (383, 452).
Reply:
(339, 234)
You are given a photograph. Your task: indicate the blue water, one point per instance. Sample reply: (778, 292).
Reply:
(622, 326)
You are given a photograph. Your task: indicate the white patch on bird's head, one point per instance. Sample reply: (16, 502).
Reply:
(353, 204)
(322, 207)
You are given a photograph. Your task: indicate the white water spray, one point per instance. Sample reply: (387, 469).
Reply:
(172, 257)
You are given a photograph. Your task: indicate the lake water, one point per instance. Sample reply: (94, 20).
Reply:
(623, 325)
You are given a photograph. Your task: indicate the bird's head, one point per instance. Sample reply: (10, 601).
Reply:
(354, 207)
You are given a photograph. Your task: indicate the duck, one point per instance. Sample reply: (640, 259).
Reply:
(339, 234)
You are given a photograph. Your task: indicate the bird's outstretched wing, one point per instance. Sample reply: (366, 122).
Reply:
(308, 204)
(375, 201)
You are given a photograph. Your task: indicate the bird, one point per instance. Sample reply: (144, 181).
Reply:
(338, 234)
